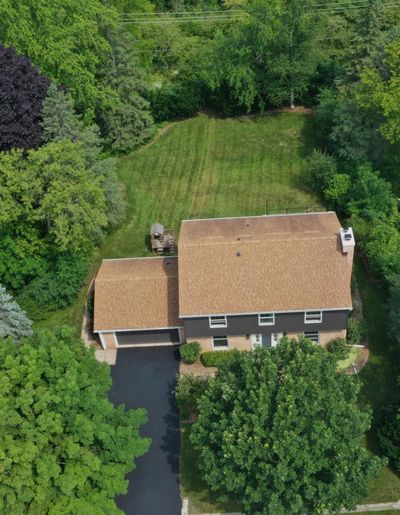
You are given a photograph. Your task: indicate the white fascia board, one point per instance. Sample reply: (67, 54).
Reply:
(266, 311)
(101, 331)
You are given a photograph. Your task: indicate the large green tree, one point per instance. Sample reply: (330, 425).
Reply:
(126, 122)
(280, 431)
(65, 448)
(13, 320)
(51, 188)
(65, 39)
(270, 55)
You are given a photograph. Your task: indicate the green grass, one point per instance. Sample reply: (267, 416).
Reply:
(351, 358)
(206, 167)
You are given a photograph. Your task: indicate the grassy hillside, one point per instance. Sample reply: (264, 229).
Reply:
(207, 167)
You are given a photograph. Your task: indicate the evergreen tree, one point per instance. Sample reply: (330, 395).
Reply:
(126, 120)
(60, 121)
(13, 321)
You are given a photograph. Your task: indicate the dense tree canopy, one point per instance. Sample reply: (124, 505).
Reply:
(53, 189)
(65, 39)
(22, 91)
(65, 448)
(280, 431)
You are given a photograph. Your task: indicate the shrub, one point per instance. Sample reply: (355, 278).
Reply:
(321, 167)
(190, 352)
(356, 331)
(339, 348)
(216, 358)
(176, 100)
(57, 288)
(389, 435)
(188, 390)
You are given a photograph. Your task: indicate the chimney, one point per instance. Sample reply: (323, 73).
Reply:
(347, 239)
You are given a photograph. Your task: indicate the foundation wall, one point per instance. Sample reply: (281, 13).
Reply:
(324, 336)
(244, 343)
(235, 342)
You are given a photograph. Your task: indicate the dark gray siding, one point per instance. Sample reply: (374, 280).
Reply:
(248, 324)
(137, 337)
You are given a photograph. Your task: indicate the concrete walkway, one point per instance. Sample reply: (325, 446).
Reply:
(361, 508)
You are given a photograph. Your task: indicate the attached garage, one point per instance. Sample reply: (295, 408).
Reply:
(139, 338)
(136, 303)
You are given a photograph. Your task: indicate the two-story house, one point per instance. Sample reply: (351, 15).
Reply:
(236, 283)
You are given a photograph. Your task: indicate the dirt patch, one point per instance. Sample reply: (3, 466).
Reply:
(197, 369)
(360, 362)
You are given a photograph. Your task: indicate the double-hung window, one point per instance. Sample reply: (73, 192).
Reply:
(218, 321)
(313, 317)
(312, 335)
(220, 342)
(266, 319)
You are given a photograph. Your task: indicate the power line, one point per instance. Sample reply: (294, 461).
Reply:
(339, 8)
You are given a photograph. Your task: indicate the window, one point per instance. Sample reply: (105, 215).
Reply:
(266, 319)
(220, 342)
(312, 335)
(313, 317)
(218, 321)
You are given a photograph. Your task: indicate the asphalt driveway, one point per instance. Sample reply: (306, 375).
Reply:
(146, 377)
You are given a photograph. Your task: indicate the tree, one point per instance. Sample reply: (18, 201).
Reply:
(52, 189)
(280, 431)
(380, 89)
(60, 121)
(126, 121)
(22, 90)
(270, 55)
(394, 305)
(65, 39)
(65, 448)
(389, 434)
(13, 321)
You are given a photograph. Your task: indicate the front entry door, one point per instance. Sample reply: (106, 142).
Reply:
(275, 337)
(266, 340)
(256, 340)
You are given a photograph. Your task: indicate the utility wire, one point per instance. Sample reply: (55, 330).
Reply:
(182, 16)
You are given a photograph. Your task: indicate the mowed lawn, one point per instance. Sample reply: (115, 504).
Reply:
(206, 167)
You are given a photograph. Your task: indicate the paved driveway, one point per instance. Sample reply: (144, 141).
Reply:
(145, 377)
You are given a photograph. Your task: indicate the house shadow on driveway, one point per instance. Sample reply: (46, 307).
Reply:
(146, 377)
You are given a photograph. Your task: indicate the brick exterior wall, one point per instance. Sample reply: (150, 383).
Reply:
(324, 336)
(244, 343)
(235, 342)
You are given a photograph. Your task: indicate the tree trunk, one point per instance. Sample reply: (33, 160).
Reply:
(292, 100)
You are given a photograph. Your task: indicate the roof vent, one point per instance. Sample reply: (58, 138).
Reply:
(238, 254)
(347, 238)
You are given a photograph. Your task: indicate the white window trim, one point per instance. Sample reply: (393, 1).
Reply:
(313, 321)
(220, 348)
(266, 323)
(225, 324)
(317, 332)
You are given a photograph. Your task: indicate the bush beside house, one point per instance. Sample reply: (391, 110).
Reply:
(190, 352)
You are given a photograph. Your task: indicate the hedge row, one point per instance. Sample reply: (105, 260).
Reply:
(216, 358)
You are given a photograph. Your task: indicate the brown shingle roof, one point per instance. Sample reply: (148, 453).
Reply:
(261, 264)
(136, 294)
